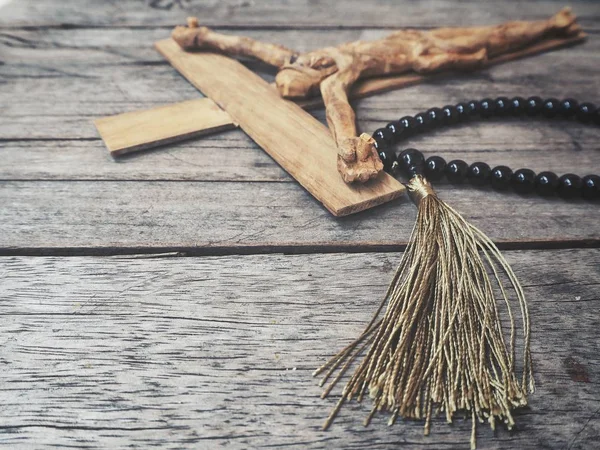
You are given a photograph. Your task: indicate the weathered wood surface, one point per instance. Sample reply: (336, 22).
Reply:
(106, 71)
(68, 149)
(192, 352)
(56, 82)
(211, 352)
(273, 13)
(80, 75)
(222, 217)
(537, 145)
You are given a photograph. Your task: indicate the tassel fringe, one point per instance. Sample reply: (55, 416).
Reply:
(441, 346)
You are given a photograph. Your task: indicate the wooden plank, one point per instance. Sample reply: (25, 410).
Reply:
(135, 131)
(232, 156)
(291, 136)
(128, 130)
(66, 217)
(277, 14)
(218, 352)
(113, 71)
(55, 81)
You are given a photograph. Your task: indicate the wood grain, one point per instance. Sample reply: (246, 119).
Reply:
(218, 352)
(291, 136)
(232, 157)
(275, 14)
(128, 132)
(147, 352)
(62, 217)
(47, 134)
(142, 130)
(55, 82)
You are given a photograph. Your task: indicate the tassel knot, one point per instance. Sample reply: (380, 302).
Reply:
(418, 188)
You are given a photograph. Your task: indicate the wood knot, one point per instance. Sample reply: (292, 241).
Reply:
(576, 371)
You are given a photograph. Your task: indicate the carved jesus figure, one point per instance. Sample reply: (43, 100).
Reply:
(332, 71)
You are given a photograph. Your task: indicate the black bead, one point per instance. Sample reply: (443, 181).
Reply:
(500, 177)
(585, 112)
(411, 160)
(449, 115)
(568, 107)
(591, 187)
(456, 171)
(596, 117)
(414, 170)
(383, 134)
(502, 106)
(533, 106)
(394, 128)
(546, 183)
(518, 106)
(407, 124)
(435, 117)
(380, 144)
(462, 111)
(388, 158)
(550, 107)
(478, 173)
(473, 108)
(434, 168)
(522, 181)
(569, 186)
(422, 122)
(487, 107)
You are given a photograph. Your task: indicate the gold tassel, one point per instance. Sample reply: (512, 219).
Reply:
(441, 346)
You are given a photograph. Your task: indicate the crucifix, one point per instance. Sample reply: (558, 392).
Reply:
(339, 168)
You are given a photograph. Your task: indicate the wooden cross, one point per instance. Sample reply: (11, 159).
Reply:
(292, 137)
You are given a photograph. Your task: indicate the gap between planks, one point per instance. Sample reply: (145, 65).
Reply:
(266, 249)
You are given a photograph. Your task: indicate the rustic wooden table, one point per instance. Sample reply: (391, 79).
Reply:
(181, 297)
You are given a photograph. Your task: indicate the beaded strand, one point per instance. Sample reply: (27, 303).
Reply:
(523, 181)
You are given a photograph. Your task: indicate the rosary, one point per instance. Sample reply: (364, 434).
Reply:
(440, 345)
(523, 181)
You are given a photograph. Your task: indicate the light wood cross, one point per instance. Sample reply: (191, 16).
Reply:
(297, 141)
